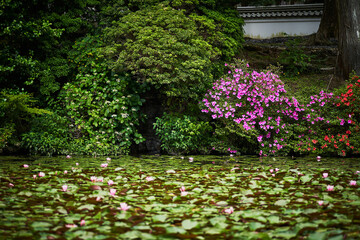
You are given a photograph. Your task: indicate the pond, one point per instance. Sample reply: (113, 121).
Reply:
(173, 197)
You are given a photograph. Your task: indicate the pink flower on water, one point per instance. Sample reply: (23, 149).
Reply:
(104, 165)
(149, 179)
(110, 182)
(320, 203)
(82, 222)
(68, 156)
(325, 175)
(357, 172)
(191, 159)
(108, 159)
(34, 176)
(229, 210)
(330, 188)
(77, 164)
(112, 191)
(271, 170)
(41, 174)
(318, 158)
(352, 183)
(124, 207)
(98, 198)
(65, 172)
(182, 189)
(11, 185)
(64, 187)
(71, 225)
(276, 169)
(273, 175)
(100, 179)
(183, 192)
(26, 166)
(93, 178)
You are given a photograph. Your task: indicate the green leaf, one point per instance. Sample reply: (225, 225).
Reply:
(189, 224)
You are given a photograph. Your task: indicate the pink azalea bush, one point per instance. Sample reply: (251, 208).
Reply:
(256, 107)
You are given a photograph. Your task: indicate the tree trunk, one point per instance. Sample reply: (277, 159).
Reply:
(349, 38)
(328, 26)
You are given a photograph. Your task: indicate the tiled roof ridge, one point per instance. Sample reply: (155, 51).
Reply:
(282, 11)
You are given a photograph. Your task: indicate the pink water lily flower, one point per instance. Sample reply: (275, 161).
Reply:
(11, 185)
(108, 159)
(110, 182)
(34, 176)
(100, 179)
(64, 188)
(77, 164)
(191, 159)
(104, 165)
(357, 172)
(68, 156)
(352, 183)
(65, 172)
(276, 169)
(149, 179)
(41, 174)
(124, 207)
(318, 158)
(229, 210)
(182, 189)
(82, 222)
(330, 188)
(325, 175)
(320, 203)
(26, 166)
(271, 170)
(112, 191)
(183, 192)
(93, 178)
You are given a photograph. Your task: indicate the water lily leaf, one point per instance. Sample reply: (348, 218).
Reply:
(318, 236)
(281, 202)
(217, 219)
(290, 179)
(255, 225)
(175, 230)
(189, 224)
(222, 203)
(41, 226)
(273, 219)
(87, 206)
(305, 178)
(159, 218)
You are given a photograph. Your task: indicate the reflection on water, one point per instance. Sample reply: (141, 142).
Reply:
(153, 162)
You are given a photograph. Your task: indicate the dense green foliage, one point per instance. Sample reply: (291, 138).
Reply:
(183, 135)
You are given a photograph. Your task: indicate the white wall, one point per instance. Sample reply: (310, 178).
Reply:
(268, 28)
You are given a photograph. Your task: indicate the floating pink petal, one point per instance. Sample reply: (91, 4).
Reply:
(149, 179)
(229, 210)
(112, 191)
(352, 183)
(124, 207)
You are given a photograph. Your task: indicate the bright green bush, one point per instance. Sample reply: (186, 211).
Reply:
(103, 106)
(184, 134)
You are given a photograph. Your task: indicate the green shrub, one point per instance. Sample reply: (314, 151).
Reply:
(181, 135)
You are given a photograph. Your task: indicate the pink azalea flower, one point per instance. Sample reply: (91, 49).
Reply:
(320, 203)
(330, 188)
(104, 165)
(65, 172)
(229, 210)
(41, 174)
(71, 225)
(149, 179)
(112, 191)
(124, 207)
(191, 159)
(82, 222)
(352, 183)
(64, 187)
(110, 182)
(68, 156)
(325, 175)
(26, 166)
(93, 179)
